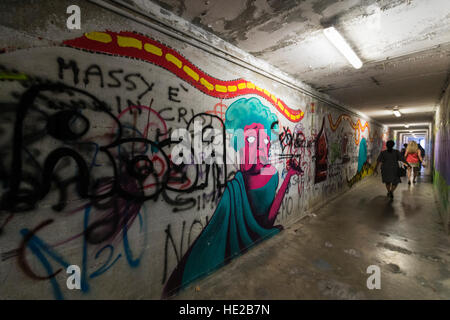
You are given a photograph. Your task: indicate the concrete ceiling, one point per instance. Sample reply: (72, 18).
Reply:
(404, 45)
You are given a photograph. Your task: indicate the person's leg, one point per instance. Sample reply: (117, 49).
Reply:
(389, 189)
(391, 193)
(409, 174)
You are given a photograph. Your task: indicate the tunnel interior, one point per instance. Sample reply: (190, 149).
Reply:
(149, 147)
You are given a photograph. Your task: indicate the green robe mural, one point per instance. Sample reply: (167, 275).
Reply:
(232, 230)
(249, 205)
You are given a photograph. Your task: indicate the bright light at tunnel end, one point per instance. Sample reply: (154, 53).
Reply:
(339, 42)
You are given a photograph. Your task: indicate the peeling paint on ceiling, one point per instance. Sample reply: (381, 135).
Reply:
(404, 45)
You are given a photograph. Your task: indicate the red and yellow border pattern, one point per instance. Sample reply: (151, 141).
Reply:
(138, 46)
(358, 127)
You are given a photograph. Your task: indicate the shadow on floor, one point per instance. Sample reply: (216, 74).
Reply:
(381, 211)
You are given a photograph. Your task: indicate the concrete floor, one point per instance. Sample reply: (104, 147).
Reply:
(326, 256)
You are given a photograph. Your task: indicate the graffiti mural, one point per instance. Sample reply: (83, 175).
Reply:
(250, 203)
(441, 173)
(321, 155)
(138, 46)
(124, 157)
(362, 155)
(367, 144)
(366, 170)
(357, 127)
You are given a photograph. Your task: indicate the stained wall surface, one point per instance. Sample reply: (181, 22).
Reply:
(442, 154)
(93, 125)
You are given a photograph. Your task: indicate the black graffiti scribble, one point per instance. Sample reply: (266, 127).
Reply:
(18, 198)
(57, 111)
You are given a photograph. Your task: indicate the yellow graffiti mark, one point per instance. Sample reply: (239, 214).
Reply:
(208, 85)
(280, 105)
(274, 98)
(250, 85)
(267, 93)
(232, 88)
(174, 60)
(128, 42)
(194, 75)
(221, 88)
(12, 76)
(366, 170)
(334, 126)
(153, 49)
(242, 85)
(287, 112)
(99, 36)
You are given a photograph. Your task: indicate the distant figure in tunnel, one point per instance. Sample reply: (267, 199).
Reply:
(414, 157)
(250, 203)
(390, 170)
(404, 149)
(422, 153)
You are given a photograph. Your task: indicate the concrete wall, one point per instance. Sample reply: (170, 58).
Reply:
(441, 156)
(86, 176)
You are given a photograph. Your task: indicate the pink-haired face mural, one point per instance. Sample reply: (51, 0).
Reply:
(249, 206)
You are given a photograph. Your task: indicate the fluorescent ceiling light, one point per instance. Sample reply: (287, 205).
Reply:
(409, 125)
(397, 113)
(339, 42)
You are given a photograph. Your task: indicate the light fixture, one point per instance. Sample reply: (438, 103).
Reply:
(396, 112)
(406, 125)
(339, 42)
(410, 131)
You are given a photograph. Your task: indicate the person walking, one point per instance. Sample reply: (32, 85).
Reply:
(390, 170)
(421, 163)
(413, 158)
